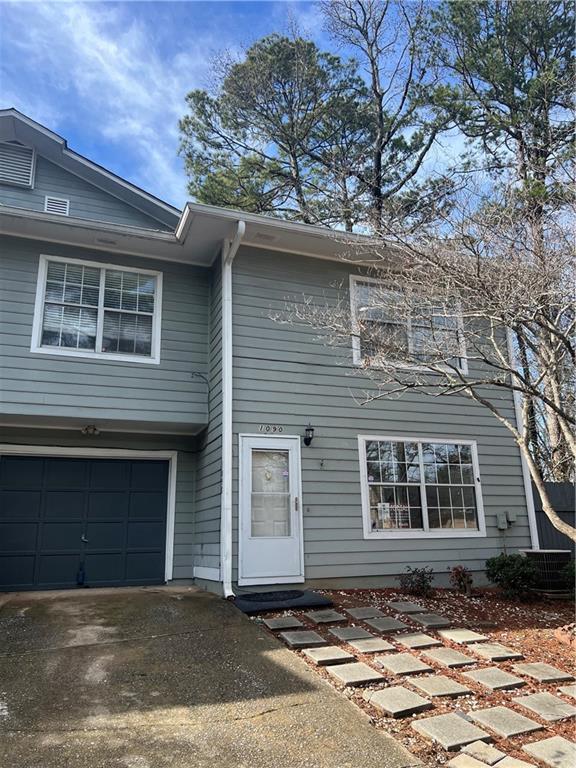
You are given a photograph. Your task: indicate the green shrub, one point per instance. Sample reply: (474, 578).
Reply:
(461, 579)
(514, 574)
(569, 575)
(417, 581)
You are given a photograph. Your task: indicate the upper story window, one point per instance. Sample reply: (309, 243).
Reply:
(382, 325)
(97, 310)
(420, 488)
(17, 164)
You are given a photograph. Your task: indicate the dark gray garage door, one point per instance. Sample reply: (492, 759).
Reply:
(81, 522)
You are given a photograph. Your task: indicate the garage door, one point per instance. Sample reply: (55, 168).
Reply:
(81, 522)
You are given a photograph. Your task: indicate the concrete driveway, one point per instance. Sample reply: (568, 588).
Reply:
(148, 678)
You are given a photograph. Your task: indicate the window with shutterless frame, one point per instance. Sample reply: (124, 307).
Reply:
(416, 487)
(91, 309)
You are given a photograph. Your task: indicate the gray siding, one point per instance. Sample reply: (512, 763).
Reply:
(284, 375)
(171, 393)
(209, 461)
(86, 200)
(184, 519)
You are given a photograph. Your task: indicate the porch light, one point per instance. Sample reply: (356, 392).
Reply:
(308, 434)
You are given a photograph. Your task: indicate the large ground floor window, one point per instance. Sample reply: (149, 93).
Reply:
(420, 487)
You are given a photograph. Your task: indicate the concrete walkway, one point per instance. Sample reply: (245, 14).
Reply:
(151, 678)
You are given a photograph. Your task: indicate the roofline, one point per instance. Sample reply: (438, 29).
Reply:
(13, 112)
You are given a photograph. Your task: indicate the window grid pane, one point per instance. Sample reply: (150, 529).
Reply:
(72, 299)
(397, 479)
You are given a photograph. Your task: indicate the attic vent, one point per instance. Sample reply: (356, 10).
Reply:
(57, 205)
(16, 164)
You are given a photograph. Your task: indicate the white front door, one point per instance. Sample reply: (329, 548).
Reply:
(270, 513)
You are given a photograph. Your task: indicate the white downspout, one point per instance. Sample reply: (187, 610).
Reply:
(229, 250)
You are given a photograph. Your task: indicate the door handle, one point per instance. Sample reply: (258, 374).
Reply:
(296, 503)
(83, 539)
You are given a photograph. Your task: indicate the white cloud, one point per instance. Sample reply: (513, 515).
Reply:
(101, 68)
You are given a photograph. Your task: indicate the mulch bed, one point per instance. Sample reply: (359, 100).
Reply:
(526, 627)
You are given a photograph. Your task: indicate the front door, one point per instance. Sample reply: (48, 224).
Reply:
(270, 541)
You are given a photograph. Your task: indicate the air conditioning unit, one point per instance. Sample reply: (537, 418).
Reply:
(550, 564)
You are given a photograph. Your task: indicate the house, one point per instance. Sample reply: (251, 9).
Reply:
(157, 423)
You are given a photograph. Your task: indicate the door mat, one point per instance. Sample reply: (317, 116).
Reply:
(260, 602)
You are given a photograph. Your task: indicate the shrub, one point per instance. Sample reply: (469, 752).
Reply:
(514, 574)
(417, 581)
(461, 579)
(569, 575)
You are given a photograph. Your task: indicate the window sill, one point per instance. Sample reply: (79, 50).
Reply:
(415, 368)
(85, 354)
(445, 534)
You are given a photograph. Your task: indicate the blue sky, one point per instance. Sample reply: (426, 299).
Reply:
(111, 77)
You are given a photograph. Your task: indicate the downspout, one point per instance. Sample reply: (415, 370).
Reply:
(229, 250)
(517, 397)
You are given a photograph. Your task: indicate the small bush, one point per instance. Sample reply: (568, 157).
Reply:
(417, 581)
(514, 574)
(569, 575)
(461, 579)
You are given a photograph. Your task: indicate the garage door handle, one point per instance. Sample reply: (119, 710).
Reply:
(84, 539)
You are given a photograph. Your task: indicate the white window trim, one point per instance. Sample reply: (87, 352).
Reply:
(356, 352)
(116, 453)
(36, 346)
(404, 533)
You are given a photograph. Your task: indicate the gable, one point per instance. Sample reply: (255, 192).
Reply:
(86, 201)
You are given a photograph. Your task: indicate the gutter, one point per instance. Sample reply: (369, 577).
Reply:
(229, 250)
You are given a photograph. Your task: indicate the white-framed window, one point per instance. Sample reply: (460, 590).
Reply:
(89, 309)
(379, 322)
(420, 487)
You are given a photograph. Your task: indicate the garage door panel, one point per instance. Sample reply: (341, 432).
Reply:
(17, 571)
(149, 475)
(146, 535)
(66, 473)
(108, 505)
(144, 566)
(25, 505)
(18, 471)
(61, 537)
(64, 504)
(18, 537)
(57, 569)
(110, 475)
(105, 567)
(150, 504)
(107, 535)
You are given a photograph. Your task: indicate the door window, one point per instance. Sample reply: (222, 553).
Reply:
(270, 495)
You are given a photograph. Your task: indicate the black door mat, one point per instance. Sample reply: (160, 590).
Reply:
(260, 602)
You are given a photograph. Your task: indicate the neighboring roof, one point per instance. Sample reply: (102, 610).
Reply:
(15, 126)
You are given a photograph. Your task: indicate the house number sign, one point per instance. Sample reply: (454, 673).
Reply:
(270, 428)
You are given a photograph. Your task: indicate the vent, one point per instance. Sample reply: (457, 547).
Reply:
(16, 164)
(57, 205)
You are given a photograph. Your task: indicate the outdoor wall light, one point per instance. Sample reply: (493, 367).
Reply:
(308, 434)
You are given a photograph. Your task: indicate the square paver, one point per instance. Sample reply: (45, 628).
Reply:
(546, 706)
(543, 673)
(431, 620)
(349, 633)
(495, 679)
(568, 690)
(465, 761)
(371, 645)
(450, 658)
(398, 701)
(355, 674)
(486, 753)
(283, 622)
(417, 640)
(462, 636)
(512, 762)
(386, 624)
(364, 612)
(330, 654)
(450, 731)
(302, 639)
(405, 606)
(402, 664)
(325, 617)
(504, 721)
(494, 652)
(440, 685)
(556, 752)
